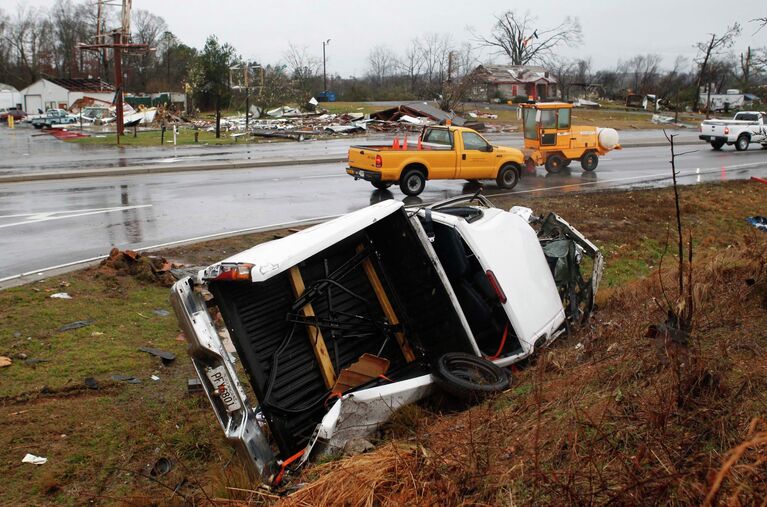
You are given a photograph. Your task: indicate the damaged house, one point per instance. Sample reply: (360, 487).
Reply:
(505, 82)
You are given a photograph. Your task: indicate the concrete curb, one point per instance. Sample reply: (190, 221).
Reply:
(216, 166)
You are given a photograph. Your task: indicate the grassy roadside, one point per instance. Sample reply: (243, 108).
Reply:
(101, 443)
(185, 136)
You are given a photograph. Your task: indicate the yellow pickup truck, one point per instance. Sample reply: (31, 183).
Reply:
(441, 153)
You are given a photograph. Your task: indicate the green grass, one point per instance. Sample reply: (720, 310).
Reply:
(152, 138)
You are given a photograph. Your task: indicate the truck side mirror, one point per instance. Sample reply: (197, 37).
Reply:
(489, 148)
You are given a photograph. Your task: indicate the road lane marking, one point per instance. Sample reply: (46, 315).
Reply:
(329, 217)
(47, 216)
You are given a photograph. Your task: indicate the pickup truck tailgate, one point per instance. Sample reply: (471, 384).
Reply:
(362, 158)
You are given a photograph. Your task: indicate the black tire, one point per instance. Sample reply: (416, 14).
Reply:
(381, 185)
(554, 164)
(469, 377)
(412, 182)
(566, 162)
(508, 176)
(589, 161)
(764, 146)
(717, 145)
(742, 143)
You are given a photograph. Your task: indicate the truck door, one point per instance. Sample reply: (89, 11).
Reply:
(548, 127)
(477, 157)
(442, 153)
(564, 136)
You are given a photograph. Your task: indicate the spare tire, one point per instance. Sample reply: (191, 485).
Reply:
(469, 377)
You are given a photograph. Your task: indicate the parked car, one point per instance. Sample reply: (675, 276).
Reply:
(54, 117)
(745, 128)
(340, 324)
(17, 114)
(440, 153)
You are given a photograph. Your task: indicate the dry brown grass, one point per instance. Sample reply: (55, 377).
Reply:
(624, 419)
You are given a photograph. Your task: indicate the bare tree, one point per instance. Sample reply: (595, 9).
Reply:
(712, 47)
(381, 63)
(435, 50)
(411, 64)
(562, 69)
(642, 72)
(762, 23)
(518, 37)
(304, 69)
(746, 66)
(147, 29)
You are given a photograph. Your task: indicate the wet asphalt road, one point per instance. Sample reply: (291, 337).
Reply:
(26, 150)
(50, 223)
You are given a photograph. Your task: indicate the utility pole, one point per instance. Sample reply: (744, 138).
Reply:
(119, 43)
(324, 68)
(247, 99)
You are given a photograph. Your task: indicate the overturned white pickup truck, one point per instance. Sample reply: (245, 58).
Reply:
(339, 324)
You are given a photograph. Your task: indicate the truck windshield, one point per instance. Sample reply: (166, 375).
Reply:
(531, 130)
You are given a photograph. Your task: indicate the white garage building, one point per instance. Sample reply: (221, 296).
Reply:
(9, 97)
(51, 93)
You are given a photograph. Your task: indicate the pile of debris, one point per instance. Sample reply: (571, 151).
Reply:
(147, 268)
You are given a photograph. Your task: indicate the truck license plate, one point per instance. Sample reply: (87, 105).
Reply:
(222, 386)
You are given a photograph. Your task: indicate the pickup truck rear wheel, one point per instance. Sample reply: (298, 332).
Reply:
(589, 161)
(381, 185)
(717, 145)
(742, 143)
(554, 164)
(508, 176)
(469, 377)
(412, 182)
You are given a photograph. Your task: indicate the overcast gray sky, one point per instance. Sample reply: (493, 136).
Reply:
(612, 30)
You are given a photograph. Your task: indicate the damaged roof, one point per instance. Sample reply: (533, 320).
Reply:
(513, 74)
(82, 84)
(418, 110)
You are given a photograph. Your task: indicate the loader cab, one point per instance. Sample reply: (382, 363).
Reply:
(546, 125)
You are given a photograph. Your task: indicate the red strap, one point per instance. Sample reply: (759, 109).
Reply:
(285, 464)
(503, 342)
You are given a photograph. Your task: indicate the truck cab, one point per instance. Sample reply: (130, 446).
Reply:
(552, 141)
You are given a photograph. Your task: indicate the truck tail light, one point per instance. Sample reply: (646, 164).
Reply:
(726, 130)
(496, 286)
(379, 161)
(237, 272)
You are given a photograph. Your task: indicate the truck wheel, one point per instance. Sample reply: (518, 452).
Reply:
(554, 164)
(508, 176)
(717, 145)
(589, 161)
(412, 182)
(469, 377)
(742, 143)
(381, 185)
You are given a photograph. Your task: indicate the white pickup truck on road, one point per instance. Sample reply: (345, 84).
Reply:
(745, 128)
